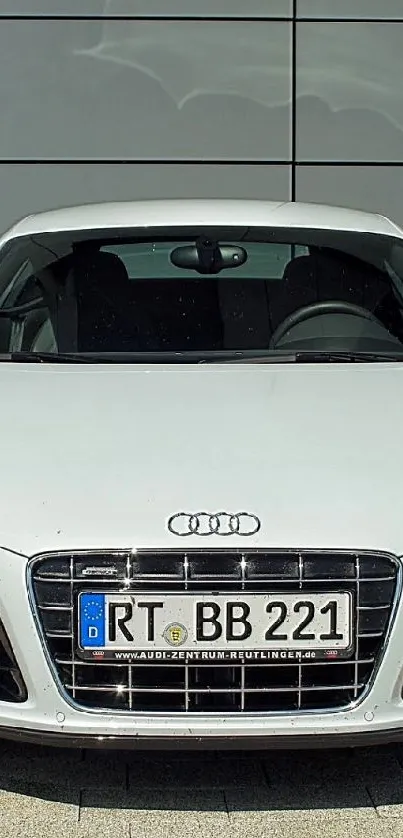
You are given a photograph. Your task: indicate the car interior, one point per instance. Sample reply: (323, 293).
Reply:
(94, 299)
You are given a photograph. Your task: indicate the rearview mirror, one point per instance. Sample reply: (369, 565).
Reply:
(208, 257)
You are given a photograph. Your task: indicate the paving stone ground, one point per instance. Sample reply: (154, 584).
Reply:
(54, 793)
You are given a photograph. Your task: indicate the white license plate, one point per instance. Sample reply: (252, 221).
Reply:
(205, 627)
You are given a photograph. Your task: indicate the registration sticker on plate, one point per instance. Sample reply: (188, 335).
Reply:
(254, 627)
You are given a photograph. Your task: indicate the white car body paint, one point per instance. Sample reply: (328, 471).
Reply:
(99, 456)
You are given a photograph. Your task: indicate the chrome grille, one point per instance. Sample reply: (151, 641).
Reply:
(56, 580)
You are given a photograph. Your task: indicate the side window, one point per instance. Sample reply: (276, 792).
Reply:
(27, 293)
(11, 332)
(33, 328)
(17, 285)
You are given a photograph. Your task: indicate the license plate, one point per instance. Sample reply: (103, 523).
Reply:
(255, 628)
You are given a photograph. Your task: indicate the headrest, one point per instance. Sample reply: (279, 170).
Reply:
(301, 270)
(101, 270)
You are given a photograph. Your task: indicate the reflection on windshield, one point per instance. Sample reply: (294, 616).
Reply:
(188, 293)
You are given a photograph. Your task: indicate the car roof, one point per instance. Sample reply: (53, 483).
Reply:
(203, 212)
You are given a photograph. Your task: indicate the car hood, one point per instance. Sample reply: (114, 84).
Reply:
(101, 456)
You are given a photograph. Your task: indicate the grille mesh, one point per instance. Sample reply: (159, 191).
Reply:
(57, 580)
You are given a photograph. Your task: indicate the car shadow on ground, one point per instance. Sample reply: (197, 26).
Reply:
(275, 781)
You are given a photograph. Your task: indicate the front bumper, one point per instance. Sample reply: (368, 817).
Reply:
(47, 717)
(209, 743)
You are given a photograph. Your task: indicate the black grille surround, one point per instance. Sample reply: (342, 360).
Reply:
(12, 686)
(55, 581)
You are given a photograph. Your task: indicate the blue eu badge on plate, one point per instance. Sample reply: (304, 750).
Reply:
(92, 620)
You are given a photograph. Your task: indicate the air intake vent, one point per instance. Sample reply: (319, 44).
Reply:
(12, 687)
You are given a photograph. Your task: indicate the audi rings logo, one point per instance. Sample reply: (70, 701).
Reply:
(218, 523)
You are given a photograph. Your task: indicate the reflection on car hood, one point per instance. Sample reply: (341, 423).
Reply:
(101, 456)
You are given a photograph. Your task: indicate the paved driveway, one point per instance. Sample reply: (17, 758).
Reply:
(322, 794)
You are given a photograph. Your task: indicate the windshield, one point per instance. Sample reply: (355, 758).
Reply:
(184, 293)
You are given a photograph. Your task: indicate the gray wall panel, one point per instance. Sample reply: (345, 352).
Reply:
(349, 91)
(32, 188)
(350, 8)
(374, 188)
(191, 8)
(145, 90)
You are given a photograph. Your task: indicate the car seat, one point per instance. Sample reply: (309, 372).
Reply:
(105, 322)
(327, 274)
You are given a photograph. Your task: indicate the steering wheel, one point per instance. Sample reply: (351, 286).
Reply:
(317, 309)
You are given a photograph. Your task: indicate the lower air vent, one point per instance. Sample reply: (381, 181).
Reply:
(282, 683)
(12, 687)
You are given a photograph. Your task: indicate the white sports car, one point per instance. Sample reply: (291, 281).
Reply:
(201, 520)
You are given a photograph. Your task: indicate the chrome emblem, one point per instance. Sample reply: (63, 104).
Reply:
(218, 523)
(100, 570)
(175, 634)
